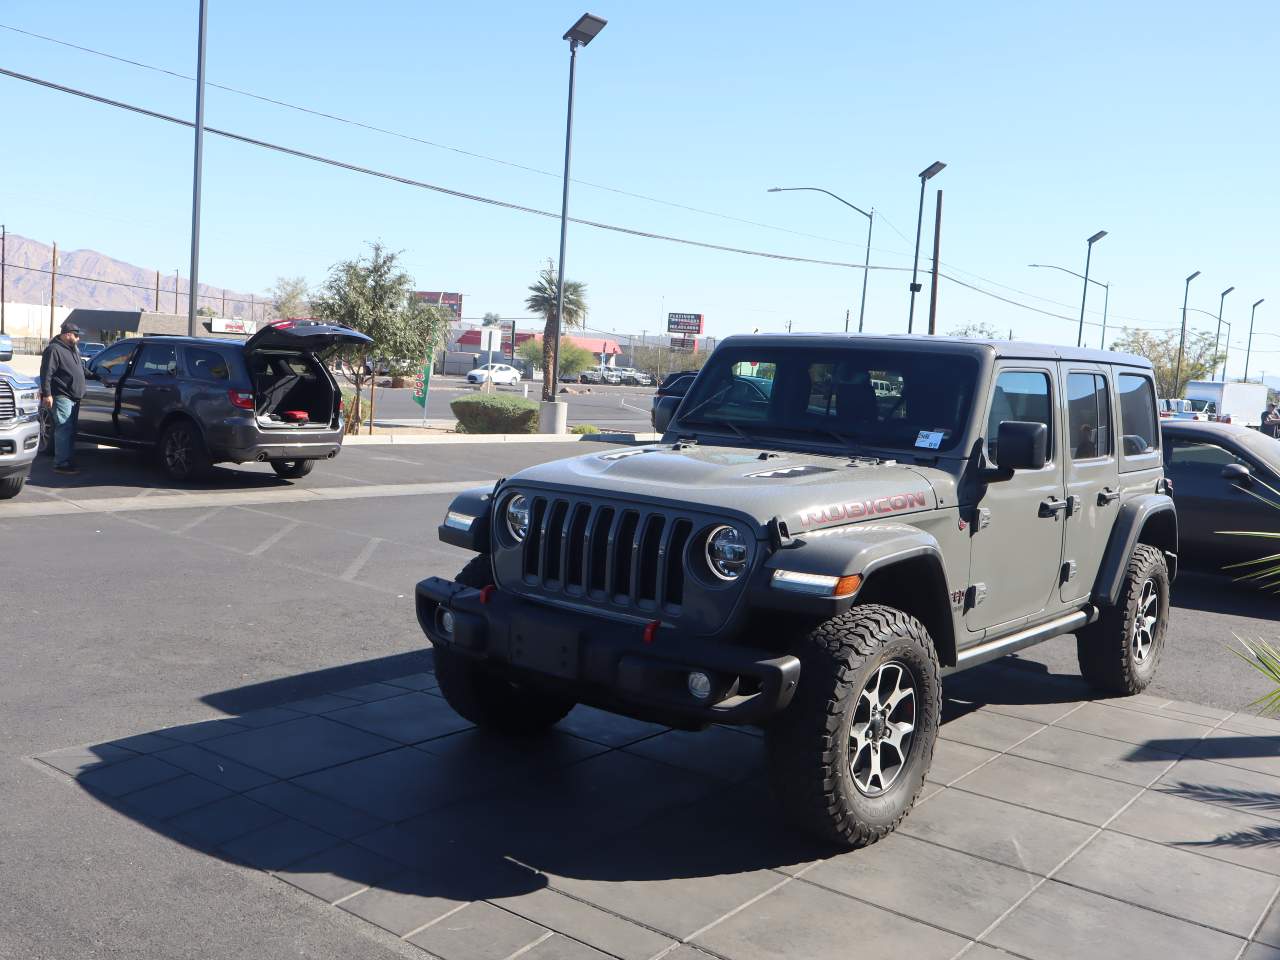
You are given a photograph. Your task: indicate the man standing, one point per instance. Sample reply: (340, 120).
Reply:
(1271, 422)
(61, 390)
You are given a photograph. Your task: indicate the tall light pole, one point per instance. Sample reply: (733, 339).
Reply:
(1084, 297)
(1249, 349)
(866, 263)
(1106, 301)
(1182, 340)
(1226, 349)
(1217, 336)
(195, 185)
(926, 175)
(579, 35)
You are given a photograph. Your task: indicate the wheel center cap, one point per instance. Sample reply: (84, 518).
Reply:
(877, 725)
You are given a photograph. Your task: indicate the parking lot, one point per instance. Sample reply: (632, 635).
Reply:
(222, 738)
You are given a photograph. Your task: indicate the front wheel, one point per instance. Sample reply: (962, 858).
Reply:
(292, 469)
(1119, 652)
(10, 487)
(849, 755)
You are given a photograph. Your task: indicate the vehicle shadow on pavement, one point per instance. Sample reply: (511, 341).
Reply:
(138, 469)
(1217, 593)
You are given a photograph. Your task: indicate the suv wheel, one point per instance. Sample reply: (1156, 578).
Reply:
(1120, 651)
(292, 469)
(46, 431)
(10, 487)
(482, 694)
(848, 757)
(182, 453)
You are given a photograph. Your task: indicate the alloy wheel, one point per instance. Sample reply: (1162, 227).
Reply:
(177, 451)
(881, 733)
(1144, 622)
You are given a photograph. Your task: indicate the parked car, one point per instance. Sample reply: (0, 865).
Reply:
(591, 375)
(494, 373)
(197, 401)
(90, 349)
(810, 556)
(634, 377)
(1180, 410)
(673, 385)
(1220, 474)
(19, 424)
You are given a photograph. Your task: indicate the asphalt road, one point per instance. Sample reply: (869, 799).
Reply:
(133, 607)
(608, 407)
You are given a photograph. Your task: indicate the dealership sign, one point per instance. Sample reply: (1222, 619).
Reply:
(232, 325)
(687, 344)
(684, 323)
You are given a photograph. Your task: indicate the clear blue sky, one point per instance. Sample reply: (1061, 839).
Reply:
(1154, 122)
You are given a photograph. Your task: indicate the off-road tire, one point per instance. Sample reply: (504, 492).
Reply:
(292, 469)
(481, 694)
(10, 487)
(181, 451)
(808, 744)
(1107, 650)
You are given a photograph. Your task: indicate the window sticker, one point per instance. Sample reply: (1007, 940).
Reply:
(930, 439)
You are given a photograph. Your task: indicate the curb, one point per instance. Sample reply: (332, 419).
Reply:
(419, 439)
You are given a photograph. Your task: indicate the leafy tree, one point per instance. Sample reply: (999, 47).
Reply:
(573, 358)
(291, 297)
(492, 320)
(980, 330)
(530, 351)
(1200, 356)
(542, 300)
(659, 361)
(206, 312)
(375, 296)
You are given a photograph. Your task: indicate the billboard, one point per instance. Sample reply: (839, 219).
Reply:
(684, 323)
(450, 301)
(685, 344)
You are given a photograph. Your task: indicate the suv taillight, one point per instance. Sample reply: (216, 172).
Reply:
(241, 398)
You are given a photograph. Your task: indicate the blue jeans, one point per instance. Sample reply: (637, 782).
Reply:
(65, 414)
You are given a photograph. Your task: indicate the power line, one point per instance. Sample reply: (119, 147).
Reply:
(150, 288)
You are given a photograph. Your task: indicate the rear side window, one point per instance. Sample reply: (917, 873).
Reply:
(207, 365)
(1139, 429)
(1019, 395)
(1089, 416)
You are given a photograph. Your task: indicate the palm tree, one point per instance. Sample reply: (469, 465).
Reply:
(542, 300)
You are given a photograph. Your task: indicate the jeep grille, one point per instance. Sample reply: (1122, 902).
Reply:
(620, 555)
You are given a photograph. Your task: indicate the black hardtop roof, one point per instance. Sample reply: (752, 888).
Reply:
(1003, 349)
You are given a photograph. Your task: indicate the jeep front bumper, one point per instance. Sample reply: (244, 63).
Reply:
(619, 666)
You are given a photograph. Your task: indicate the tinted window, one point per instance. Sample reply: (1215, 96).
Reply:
(887, 398)
(112, 362)
(1139, 428)
(1089, 416)
(207, 365)
(1019, 395)
(1195, 455)
(157, 360)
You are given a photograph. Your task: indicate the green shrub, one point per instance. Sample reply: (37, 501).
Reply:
(495, 413)
(584, 429)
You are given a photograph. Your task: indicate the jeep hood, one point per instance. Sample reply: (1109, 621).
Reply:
(806, 491)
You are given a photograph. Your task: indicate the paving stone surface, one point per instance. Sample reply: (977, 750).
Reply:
(1051, 827)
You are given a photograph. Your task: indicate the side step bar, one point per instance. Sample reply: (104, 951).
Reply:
(1027, 637)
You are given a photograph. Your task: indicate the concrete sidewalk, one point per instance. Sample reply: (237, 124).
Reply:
(1053, 826)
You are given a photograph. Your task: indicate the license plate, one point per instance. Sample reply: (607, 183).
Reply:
(545, 646)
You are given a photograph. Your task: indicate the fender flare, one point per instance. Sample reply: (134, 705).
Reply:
(476, 503)
(1135, 525)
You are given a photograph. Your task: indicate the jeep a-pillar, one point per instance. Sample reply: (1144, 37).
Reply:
(830, 524)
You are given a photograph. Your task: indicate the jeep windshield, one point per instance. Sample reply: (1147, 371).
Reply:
(897, 399)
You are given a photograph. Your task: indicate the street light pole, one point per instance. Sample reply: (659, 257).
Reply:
(1226, 350)
(1182, 340)
(925, 175)
(579, 35)
(1249, 349)
(1106, 302)
(195, 186)
(1218, 336)
(866, 263)
(1084, 296)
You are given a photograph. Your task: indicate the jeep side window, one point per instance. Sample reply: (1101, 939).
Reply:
(1089, 416)
(1139, 428)
(1019, 395)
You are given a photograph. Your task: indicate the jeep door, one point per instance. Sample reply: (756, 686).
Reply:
(98, 408)
(148, 392)
(1093, 486)
(1019, 522)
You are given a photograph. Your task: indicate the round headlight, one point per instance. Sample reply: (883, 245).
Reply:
(726, 553)
(518, 517)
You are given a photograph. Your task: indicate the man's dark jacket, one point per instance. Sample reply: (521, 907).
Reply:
(61, 371)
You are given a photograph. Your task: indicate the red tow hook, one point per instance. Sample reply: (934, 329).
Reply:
(486, 592)
(651, 630)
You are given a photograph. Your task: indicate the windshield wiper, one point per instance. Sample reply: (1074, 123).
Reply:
(709, 422)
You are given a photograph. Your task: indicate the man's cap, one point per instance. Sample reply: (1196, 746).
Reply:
(69, 327)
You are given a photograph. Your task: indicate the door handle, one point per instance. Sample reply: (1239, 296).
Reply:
(1107, 495)
(1052, 507)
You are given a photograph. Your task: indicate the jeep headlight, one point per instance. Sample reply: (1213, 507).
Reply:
(726, 553)
(518, 517)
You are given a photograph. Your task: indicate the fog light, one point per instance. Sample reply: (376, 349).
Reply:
(699, 685)
(446, 622)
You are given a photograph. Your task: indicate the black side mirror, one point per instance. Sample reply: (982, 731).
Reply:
(1022, 445)
(663, 411)
(1237, 473)
(6, 354)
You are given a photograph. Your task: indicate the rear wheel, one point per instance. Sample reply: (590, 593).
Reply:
(10, 487)
(849, 755)
(482, 694)
(292, 469)
(182, 453)
(1120, 651)
(46, 431)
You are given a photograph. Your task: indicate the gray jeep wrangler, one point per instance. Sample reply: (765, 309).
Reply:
(829, 526)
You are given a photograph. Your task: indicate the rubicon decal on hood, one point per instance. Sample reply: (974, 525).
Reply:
(857, 509)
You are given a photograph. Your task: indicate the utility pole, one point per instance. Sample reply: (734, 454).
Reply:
(175, 291)
(157, 291)
(251, 308)
(224, 301)
(193, 296)
(933, 289)
(53, 285)
(4, 235)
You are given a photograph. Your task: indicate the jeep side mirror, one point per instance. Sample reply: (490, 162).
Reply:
(663, 411)
(1237, 473)
(1022, 445)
